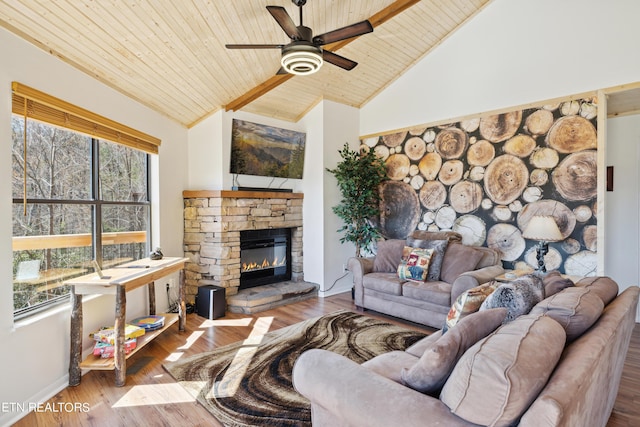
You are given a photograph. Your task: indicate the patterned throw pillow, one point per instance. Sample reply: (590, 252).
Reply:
(414, 264)
(439, 247)
(468, 302)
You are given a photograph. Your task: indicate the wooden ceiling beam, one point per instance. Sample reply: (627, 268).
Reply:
(379, 18)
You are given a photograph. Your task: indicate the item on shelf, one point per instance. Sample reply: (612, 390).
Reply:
(106, 351)
(108, 335)
(156, 255)
(149, 323)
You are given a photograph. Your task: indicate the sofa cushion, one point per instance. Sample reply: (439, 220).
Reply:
(388, 255)
(431, 371)
(518, 296)
(496, 380)
(458, 258)
(576, 309)
(439, 247)
(554, 283)
(468, 302)
(421, 346)
(603, 286)
(490, 256)
(449, 235)
(387, 283)
(391, 364)
(415, 263)
(435, 292)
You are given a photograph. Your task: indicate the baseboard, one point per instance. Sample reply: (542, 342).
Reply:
(335, 291)
(24, 408)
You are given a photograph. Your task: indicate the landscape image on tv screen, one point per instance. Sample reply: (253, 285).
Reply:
(266, 150)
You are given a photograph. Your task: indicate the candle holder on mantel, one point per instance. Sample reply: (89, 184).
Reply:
(544, 229)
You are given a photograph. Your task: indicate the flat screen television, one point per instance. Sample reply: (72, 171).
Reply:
(262, 150)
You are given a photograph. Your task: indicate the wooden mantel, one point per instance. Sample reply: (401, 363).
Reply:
(192, 194)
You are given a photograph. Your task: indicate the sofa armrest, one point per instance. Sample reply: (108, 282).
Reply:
(474, 278)
(353, 395)
(359, 266)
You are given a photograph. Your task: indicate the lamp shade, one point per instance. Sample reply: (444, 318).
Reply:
(542, 228)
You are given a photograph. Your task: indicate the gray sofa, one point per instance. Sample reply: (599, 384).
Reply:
(377, 286)
(563, 370)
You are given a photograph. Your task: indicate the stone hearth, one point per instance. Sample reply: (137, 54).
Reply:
(212, 224)
(260, 298)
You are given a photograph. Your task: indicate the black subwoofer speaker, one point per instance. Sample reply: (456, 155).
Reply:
(211, 301)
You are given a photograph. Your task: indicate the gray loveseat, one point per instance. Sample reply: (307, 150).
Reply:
(551, 367)
(377, 285)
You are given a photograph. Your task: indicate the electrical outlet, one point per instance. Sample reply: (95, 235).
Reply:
(168, 287)
(344, 267)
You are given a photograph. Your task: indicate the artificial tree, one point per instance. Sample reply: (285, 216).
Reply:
(359, 175)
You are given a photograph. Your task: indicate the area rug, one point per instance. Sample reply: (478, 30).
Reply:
(249, 383)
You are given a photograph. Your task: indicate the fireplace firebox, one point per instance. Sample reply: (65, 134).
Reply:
(265, 257)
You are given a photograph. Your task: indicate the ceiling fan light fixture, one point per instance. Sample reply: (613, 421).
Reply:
(301, 59)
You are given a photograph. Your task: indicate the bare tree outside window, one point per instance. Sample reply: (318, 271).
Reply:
(85, 199)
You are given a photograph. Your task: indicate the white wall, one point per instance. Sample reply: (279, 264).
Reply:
(623, 203)
(341, 124)
(329, 126)
(512, 53)
(516, 52)
(34, 365)
(313, 188)
(205, 154)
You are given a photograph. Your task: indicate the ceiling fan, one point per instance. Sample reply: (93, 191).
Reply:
(304, 55)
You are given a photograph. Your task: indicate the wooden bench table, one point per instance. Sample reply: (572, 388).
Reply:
(118, 281)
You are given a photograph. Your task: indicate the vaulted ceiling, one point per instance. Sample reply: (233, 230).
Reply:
(170, 55)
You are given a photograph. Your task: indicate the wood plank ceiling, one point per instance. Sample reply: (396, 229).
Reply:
(171, 57)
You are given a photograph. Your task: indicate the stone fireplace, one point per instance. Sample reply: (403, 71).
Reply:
(213, 223)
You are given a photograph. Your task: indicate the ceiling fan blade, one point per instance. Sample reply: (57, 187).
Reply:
(343, 33)
(254, 46)
(338, 60)
(284, 20)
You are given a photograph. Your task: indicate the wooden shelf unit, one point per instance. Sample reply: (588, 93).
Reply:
(118, 281)
(97, 363)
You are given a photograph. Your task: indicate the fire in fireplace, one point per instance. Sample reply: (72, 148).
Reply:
(265, 257)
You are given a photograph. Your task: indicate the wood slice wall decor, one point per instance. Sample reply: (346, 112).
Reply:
(400, 210)
(485, 177)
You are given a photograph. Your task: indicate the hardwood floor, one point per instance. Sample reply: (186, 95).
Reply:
(152, 398)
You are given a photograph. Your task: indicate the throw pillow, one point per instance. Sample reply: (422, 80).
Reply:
(421, 346)
(554, 283)
(439, 247)
(518, 296)
(388, 255)
(498, 378)
(576, 309)
(603, 286)
(414, 264)
(468, 302)
(458, 259)
(431, 371)
(391, 364)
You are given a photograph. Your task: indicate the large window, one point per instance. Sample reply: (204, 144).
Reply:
(75, 199)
